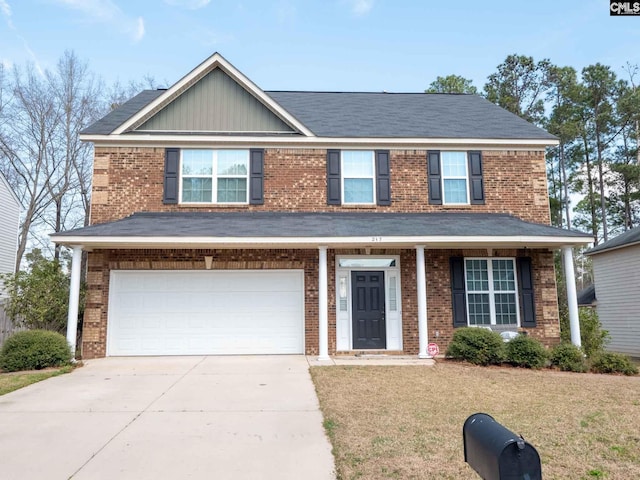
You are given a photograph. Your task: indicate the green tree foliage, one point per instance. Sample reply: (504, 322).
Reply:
(520, 86)
(452, 84)
(39, 296)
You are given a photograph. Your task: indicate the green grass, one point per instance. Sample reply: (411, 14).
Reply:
(10, 382)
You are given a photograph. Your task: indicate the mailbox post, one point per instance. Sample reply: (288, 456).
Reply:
(497, 453)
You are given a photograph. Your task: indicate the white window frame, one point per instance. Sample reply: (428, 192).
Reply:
(491, 292)
(373, 178)
(465, 177)
(214, 178)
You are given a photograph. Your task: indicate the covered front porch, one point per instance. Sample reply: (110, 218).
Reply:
(413, 268)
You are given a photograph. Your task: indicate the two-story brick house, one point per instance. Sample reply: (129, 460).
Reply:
(227, 220)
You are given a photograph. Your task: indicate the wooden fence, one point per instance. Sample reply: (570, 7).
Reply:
(7, 327)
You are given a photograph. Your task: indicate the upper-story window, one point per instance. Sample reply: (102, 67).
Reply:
(454, 177)
(358, 177)
(214, 176)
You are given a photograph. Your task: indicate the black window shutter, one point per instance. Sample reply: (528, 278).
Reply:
(256, 177)
(435, 184)
(475, 178)
(527, 299)
(333, 178)
(383, 177)
(458, 292)
(171, 171)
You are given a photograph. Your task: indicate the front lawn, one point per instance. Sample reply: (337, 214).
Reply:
(13, 381)
(405, 422)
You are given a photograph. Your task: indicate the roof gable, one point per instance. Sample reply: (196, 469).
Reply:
(178, 108)
(216, 103)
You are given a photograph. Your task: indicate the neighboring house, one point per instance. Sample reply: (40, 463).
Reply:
(9, 226)
(587, 296)
(616, 272)
(230, 220)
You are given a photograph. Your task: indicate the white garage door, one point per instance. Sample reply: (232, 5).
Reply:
(206, 312)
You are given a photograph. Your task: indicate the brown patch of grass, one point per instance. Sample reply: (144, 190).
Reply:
(16, 380)
(405, 422)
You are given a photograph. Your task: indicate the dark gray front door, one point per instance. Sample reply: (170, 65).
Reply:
(367, 310)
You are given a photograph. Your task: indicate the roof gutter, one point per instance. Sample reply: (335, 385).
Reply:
(295, 142)
(433, 242)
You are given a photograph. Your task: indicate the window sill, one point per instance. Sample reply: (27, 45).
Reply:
(213, 205)
(461, 206)
(359, 206)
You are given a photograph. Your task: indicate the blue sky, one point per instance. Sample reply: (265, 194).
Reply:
(345, 45)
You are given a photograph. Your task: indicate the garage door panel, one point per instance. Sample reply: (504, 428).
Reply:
(206, 312)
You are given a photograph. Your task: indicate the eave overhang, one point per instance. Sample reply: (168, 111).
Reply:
(430, 242)
(246, 141)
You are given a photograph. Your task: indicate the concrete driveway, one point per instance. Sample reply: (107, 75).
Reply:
(245, 417)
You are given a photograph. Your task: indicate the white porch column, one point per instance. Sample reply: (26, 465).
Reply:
(572, 297)
(74, 299)
(421, 285)
(323, 315)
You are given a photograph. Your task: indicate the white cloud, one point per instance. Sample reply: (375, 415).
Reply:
(107, 12)
(361, 7)
(190, 4)
(5, 8)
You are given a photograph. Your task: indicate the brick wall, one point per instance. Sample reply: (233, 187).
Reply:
(128, 180)
(439, 310)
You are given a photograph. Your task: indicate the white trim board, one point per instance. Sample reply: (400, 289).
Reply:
(515, 241)
(281, 141)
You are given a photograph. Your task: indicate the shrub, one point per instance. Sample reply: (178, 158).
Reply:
(568, 358)
(592, 336)
(479, 346)
(524, 351)
(608, 362)
(34, 350)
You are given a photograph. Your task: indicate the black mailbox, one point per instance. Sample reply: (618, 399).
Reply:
(497, 453)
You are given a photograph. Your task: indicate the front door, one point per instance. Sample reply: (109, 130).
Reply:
(367, 310)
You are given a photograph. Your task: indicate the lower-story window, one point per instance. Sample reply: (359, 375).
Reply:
(491, 291)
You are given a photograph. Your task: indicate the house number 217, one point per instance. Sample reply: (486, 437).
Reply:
(376, 239)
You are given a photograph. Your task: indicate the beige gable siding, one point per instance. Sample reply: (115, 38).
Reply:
(216, 104)
(617, 279)
(9, 219)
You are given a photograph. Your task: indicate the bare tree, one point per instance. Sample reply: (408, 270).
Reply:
(77, 94)
(30, 118)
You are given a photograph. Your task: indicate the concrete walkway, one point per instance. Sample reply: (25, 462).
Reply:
(253, 417)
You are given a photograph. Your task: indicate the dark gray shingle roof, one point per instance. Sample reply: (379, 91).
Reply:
(124, 112)
(408, 115)
(318, 225)
(624, 239)
(376, 115)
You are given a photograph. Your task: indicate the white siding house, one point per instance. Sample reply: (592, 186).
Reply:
(9, 224)
(616, 268)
